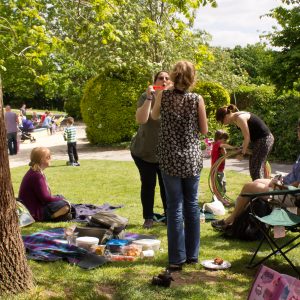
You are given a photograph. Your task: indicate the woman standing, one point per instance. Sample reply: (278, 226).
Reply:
(35, 193)
(143, 150)
(183, 118)
(256, 134)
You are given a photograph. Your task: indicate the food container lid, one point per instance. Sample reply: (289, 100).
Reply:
(148, 242)
(87, 240)
(115, 242)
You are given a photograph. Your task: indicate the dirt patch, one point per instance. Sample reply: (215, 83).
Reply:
(195, 277)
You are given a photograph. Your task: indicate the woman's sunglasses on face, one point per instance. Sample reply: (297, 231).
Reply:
(163, 78)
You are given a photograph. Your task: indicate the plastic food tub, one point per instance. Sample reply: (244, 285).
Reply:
(86, 242)
(148, 244)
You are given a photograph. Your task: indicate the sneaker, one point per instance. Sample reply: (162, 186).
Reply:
(148, 223)
(77, 164)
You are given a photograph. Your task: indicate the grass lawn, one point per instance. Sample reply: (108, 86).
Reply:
(98, 182)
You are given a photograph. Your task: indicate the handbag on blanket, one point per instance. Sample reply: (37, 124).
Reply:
(109, 220)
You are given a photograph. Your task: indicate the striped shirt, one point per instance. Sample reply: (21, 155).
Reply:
(70, 134)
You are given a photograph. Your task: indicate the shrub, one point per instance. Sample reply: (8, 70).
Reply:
(252, 96)
(108, 107)
(214, 96)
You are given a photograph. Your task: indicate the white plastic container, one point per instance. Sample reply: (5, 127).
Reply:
(148, 244)
(86, 242)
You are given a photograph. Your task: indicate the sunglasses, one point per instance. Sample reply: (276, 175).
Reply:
(163, 77)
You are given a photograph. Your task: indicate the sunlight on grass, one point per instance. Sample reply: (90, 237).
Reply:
(100, 182)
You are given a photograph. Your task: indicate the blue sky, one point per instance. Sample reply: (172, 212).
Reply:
(236, 22)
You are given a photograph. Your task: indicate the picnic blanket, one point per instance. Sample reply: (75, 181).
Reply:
(84, 211)
(49, 245)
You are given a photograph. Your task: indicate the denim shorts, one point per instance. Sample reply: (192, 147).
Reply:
(53, 207)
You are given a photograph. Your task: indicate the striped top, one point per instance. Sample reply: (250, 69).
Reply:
(70, 134)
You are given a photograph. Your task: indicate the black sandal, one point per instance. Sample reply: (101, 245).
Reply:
(219, 225)
(174, 268)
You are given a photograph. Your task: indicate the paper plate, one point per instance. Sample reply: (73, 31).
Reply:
(209, 264)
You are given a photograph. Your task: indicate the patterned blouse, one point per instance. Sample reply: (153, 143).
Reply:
(179, 152)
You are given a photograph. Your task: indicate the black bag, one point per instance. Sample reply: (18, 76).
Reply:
(244, 227)
(109, 220)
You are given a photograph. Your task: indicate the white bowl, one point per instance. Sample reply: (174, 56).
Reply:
(148, 244)
(86, 242)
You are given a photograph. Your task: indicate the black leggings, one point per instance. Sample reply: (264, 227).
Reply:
(148, 172)
(260, 151)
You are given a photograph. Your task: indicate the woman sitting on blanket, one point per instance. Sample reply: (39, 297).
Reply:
(260, 186)
(35, 193)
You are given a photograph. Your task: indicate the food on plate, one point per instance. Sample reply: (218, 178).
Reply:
(218, 261)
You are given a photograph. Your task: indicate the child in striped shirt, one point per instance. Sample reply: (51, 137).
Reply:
(70, 137)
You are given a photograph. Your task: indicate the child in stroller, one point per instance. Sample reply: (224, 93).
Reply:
(27, 127)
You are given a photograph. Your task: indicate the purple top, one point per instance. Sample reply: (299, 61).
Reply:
(11, 122)
(35, 194)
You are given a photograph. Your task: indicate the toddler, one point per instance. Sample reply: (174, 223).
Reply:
(219, 150)
(70, 137)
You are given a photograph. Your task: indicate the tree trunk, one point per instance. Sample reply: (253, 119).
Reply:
(15, 274)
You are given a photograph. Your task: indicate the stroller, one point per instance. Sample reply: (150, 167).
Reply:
(25, 131)
(26, 135)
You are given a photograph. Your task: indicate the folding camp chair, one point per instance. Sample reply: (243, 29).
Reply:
(279, 216)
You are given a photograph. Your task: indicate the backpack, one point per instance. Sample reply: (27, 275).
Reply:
(109, 220)
(244, 227)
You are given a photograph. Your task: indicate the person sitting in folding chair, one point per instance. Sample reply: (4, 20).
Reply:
(261, 186)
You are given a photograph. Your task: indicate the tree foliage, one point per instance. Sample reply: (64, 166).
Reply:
(285, 72)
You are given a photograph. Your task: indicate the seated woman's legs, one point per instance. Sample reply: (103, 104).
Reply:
(257, 186)
(61, 212)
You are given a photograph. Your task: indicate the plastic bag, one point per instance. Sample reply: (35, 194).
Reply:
(24, 216)
(216, 207)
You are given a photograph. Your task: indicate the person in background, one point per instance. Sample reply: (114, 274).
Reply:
(35, 118)
(11, 124)
(256, 134)
(143, 150)
(35, 193)
(23, 110)
(262, 186)
(183, 119)
(47, 123)
(70, 137)
(218, 150)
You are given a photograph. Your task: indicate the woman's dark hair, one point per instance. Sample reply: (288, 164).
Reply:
(223, 111)
(157, 75)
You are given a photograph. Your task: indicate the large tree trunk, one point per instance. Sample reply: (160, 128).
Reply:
(15, 274)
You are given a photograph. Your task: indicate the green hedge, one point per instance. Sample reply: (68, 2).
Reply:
(108, 107)
(214, 96)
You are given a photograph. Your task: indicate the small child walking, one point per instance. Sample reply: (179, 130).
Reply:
(219, 150)
(70, 137)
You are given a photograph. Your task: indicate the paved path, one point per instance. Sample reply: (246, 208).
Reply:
(58, 148)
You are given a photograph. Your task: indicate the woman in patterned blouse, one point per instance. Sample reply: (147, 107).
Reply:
(183, 118)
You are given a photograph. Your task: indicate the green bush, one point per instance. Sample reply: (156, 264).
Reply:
(252, 96)
(72, 107)
(108, 107)
(214, 96)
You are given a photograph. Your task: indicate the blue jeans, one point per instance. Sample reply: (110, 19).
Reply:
(183, 217)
